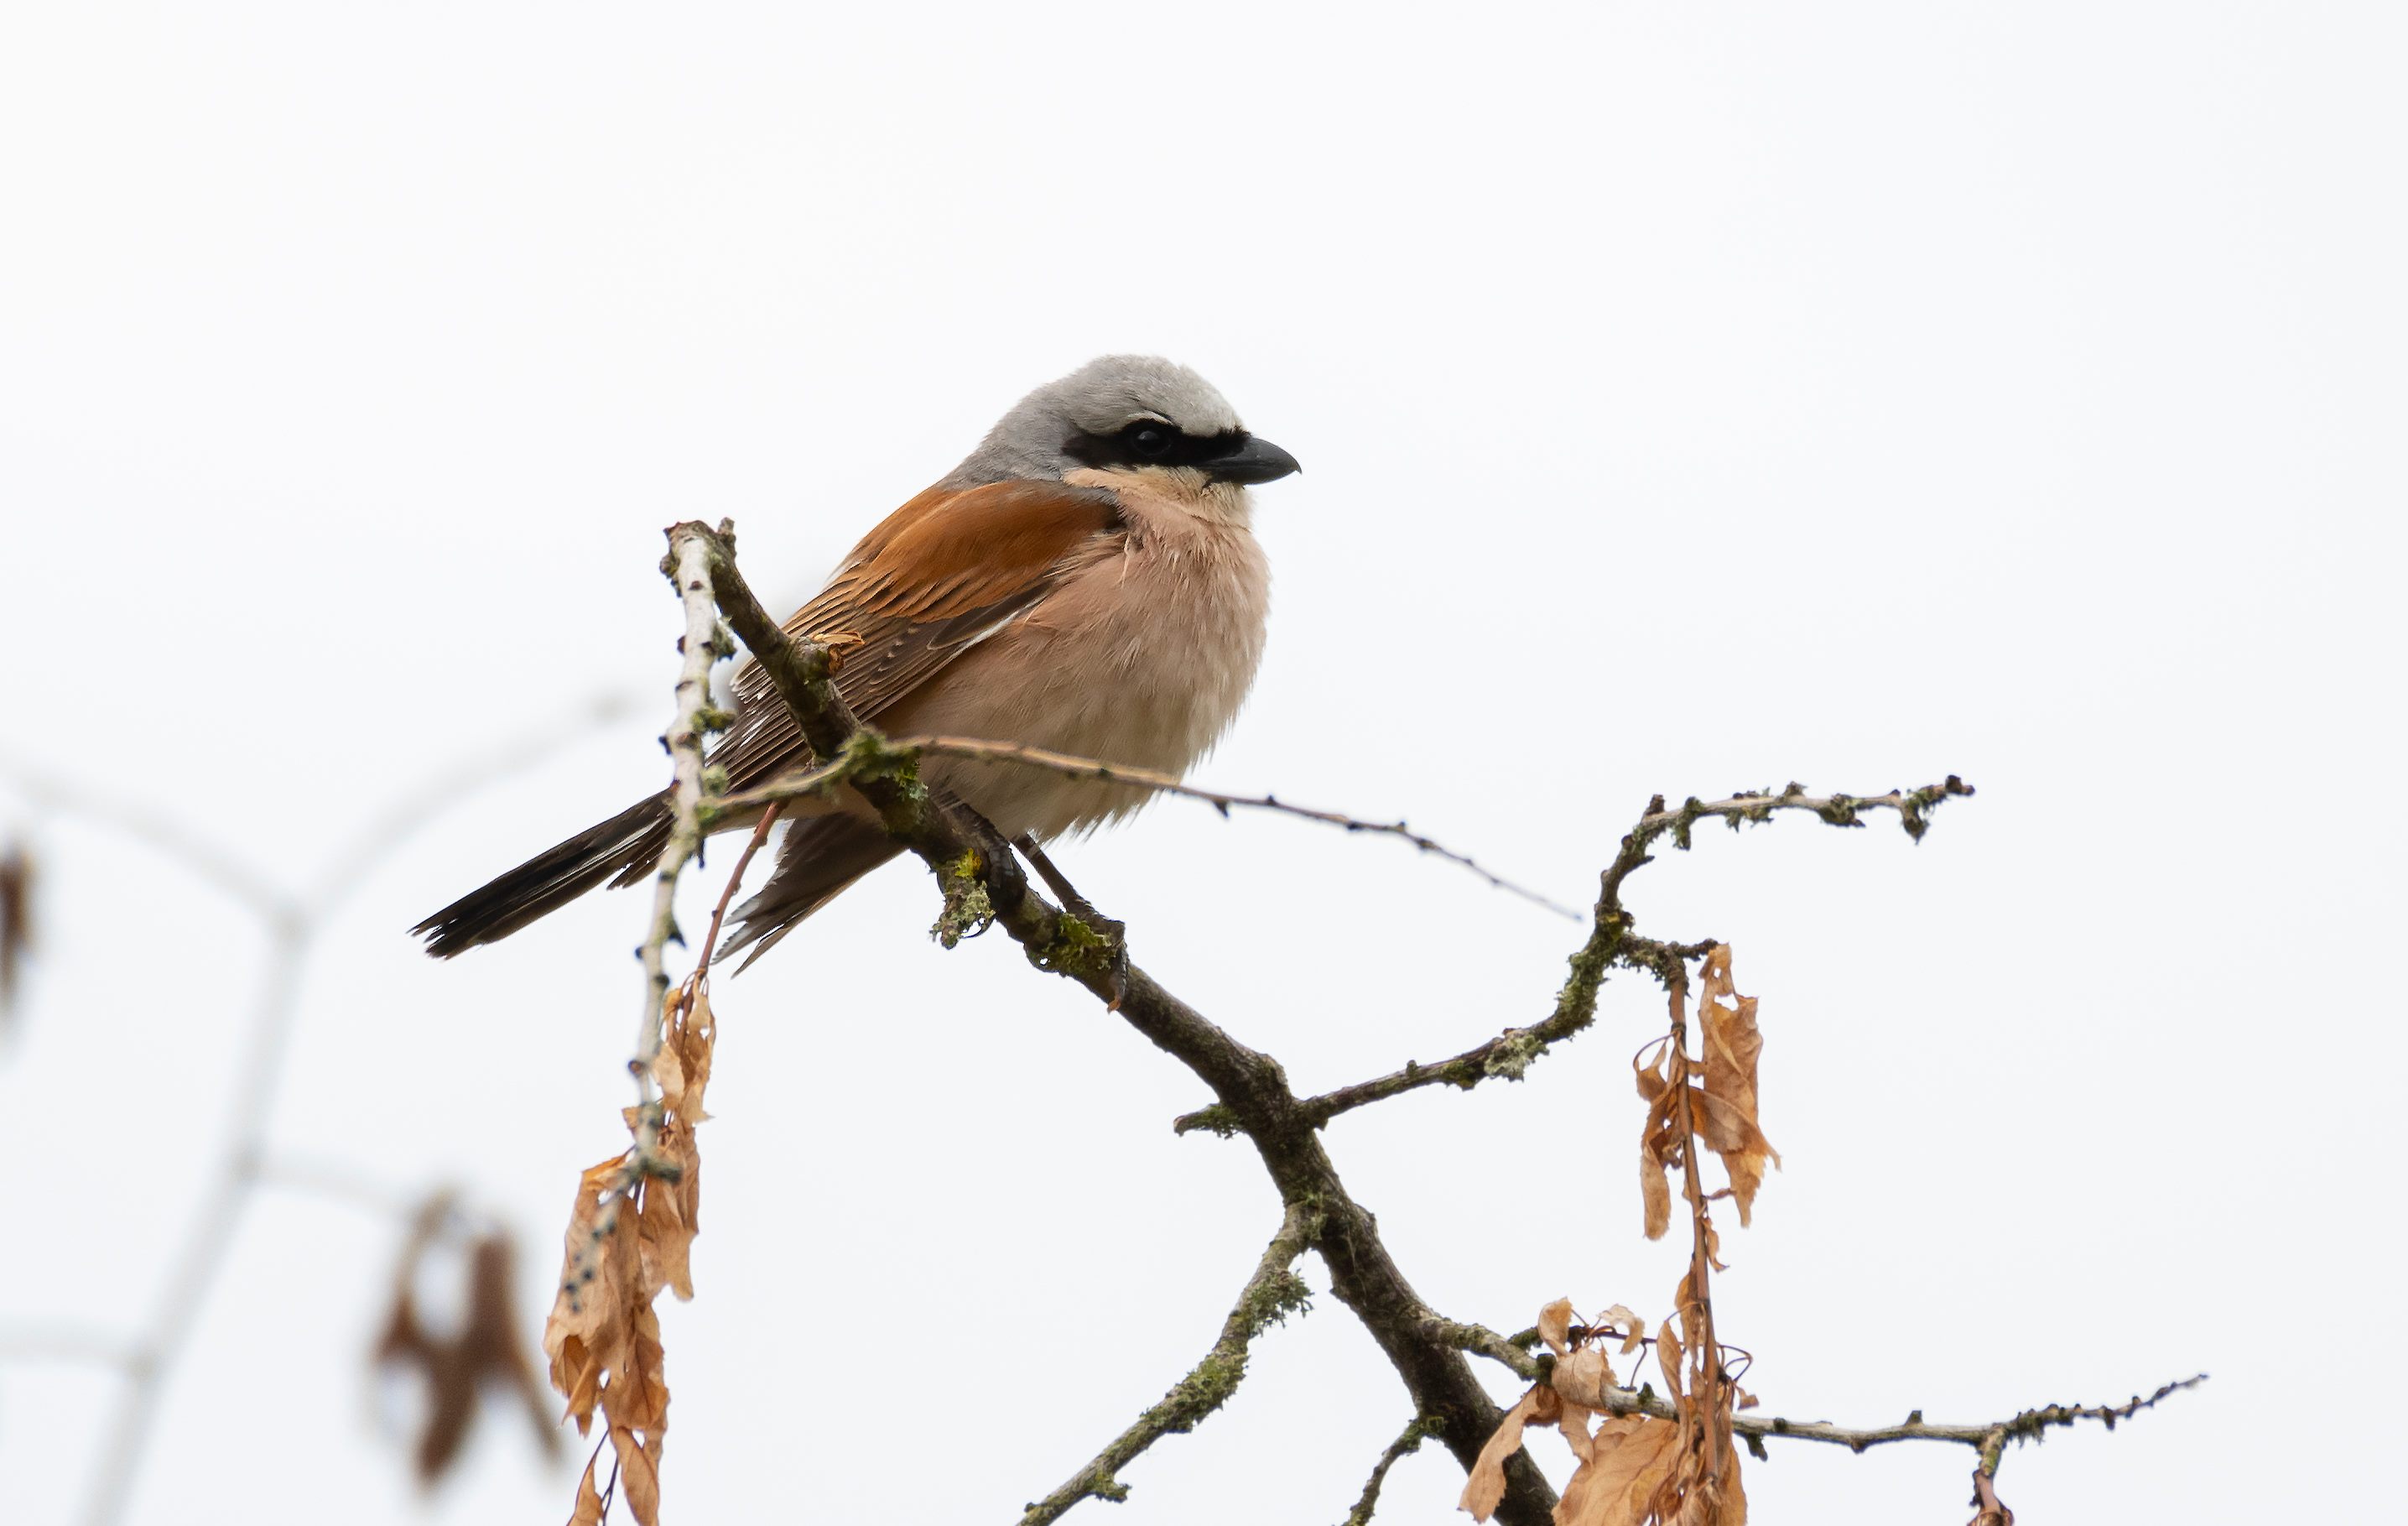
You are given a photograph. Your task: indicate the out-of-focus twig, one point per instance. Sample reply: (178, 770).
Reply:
(292, 924)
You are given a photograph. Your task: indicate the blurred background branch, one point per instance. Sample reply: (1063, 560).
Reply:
(290, 923)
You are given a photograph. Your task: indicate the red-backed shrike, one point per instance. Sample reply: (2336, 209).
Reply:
(1086, 581)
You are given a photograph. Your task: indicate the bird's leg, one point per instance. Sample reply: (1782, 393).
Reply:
(1113, 934)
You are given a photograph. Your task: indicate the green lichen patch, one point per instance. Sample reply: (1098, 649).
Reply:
(1078, 950)
(968, 910)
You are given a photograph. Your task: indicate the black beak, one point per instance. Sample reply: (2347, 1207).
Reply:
(1256, 461)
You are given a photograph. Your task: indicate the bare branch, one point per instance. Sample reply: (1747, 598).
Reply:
(1269, 1295)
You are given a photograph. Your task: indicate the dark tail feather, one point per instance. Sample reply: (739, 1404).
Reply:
(626, 847)
(820, 858)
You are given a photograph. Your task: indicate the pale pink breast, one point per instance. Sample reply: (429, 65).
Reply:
(1141, 658)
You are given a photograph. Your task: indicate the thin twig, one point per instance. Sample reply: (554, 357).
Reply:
(355, 864)
(735, 878)
(818, 780)
(1408, 1441)
(1913, 808)
(209, 861)
(1988, 1437)
(688, 567)
(1268, 1297)
(74, 1346)
(352, 866)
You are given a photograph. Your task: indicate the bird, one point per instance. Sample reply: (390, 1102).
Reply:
(1086, 581)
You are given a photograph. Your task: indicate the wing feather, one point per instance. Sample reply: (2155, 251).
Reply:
(940, 574)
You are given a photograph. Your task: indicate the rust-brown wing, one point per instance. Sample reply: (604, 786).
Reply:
(943, 573)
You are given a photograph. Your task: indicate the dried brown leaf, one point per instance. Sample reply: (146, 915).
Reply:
(1650, 1073)
(1655, 1195)
(1583, 1377)
(1555, 1324)
(1573, 1424)
(1726, 1116)
(589, 1501)
(682, 1067)
(1667, 1359)
(455, 1368)
(1660, 1138)
(1634, 1328)
(1628, 1460)
(588, 1332)
(1486, 1487)
(630, 1234)
(640, 1473)
(665, 1226)
(1688, 1307)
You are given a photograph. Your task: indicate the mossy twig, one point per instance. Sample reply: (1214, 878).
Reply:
(1269, 1296)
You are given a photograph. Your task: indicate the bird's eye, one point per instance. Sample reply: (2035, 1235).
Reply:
(1150, 441)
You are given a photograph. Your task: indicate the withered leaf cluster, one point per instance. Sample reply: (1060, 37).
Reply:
(1633, 1470)
(1636, 1469)
(1722, 1112)
(630, 1234)
(456, 1368)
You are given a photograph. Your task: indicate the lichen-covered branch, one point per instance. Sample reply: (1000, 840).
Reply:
(1272, 1294)
(1989, 1438)
(688, 566)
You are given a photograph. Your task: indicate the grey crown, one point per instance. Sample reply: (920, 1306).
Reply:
(1098, 398)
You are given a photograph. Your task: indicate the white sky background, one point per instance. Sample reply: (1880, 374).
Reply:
(1689, 401)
